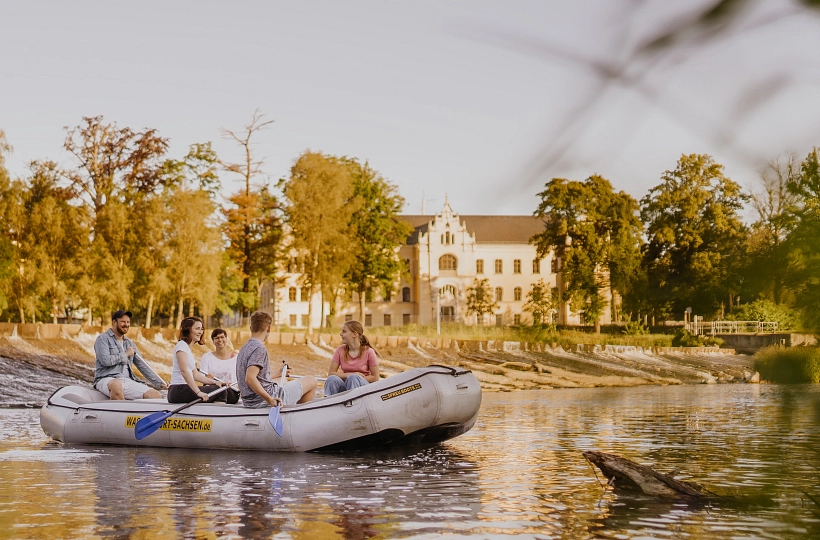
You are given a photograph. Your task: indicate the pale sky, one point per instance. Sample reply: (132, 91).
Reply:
(466, 98)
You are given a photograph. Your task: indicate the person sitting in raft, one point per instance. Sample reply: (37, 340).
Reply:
(254, 375)
(222, 362)
(184, 376)
(357, 358)
(115, 354)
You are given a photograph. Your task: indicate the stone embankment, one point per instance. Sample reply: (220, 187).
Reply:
(500, 366)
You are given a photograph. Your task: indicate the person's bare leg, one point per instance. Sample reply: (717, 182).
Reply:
(115, 389)
(151, 394)
(308, 389)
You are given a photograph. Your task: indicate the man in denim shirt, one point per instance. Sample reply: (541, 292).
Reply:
(116, 354)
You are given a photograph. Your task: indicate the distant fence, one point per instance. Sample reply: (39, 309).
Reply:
(713, 328)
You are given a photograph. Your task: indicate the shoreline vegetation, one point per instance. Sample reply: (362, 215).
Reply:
(789, 365)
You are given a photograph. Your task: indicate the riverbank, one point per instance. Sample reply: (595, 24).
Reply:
(499, 365)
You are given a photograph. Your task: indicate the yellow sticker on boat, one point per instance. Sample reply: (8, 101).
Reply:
(401, 391)
(176, 424)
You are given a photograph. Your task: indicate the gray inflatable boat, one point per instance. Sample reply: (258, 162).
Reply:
(420, 406)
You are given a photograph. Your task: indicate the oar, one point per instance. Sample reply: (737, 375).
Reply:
(153, 422)
(274, 417)
(218, 379)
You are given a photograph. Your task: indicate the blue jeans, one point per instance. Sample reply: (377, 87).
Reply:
(335, 384)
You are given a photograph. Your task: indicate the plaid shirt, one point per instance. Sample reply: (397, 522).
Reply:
(113, 362)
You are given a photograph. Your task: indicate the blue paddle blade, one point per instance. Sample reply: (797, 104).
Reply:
(149, 424)
(275, 420)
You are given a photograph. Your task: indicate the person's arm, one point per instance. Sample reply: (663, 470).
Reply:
(155, 380)
(334, 367)
(373, 366)
(102, 351)
(182, 362)
(251, 380)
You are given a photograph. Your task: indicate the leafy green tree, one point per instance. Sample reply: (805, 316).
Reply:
(542, 301)
(376, 233)
(320, 201)
(115, 168)
(7, 254)
(767, 311)
(695, 241)
(480, 299)
(770, 264)
(595, 232)
(195, 250)
(805, 240)
(253, 218)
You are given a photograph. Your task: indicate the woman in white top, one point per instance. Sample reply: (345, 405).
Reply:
(221, 363)
(184, 376)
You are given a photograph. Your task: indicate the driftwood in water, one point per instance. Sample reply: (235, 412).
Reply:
(627, 475)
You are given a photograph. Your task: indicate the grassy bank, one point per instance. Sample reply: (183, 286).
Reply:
(563, 337)
(789, 365)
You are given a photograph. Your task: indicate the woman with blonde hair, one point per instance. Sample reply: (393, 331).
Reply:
(358, 360)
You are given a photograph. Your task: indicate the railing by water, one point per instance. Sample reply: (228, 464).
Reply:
(713, 328)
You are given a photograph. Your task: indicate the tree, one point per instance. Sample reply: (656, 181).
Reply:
(805, 240)
(7, 254)
(116, 168)
(376, 233)
(695, 238)
(769, 261)
(253, 226)
(541, 302)
(320, 201)
(595, 232)
(195, 247)
(480, 299)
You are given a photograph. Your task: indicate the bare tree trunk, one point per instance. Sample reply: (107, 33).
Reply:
(310, 310)
(150, 310)
(322, 312)
(54, 312)
(598, 325)
(22, 315)
(179, 312)
(362, 297)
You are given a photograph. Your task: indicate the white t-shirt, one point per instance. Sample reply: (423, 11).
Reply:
(176, 374)
(221, 369)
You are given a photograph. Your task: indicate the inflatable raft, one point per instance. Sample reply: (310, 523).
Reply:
(419, 406)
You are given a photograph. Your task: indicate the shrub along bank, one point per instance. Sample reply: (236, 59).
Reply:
(789, 365)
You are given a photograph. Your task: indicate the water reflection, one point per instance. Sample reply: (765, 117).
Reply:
(518, 472)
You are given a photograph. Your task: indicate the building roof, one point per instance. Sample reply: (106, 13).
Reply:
(487, 229)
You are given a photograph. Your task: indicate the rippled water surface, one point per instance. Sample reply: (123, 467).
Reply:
(519, 472)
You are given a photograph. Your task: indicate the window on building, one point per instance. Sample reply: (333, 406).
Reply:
(388, 295)
(292, 320)
(448, 290)
(517, 319)
(499, 320)
(554, 266)
(292, 294)
(368, 320)
(499, 266)
(348, 317)
(407, 267)
(305, 320)
(405, 294)
(388, 319)
(517, 266)
(405, 319)
(448, 262)
(479, 266)
(517, 294)
(499, 294)
(536, 266)
(304, 294)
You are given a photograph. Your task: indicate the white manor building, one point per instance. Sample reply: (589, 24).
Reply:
(445, 254)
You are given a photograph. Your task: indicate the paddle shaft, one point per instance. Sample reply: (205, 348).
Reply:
(197, 400)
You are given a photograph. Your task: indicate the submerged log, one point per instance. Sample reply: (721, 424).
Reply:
(626, 475)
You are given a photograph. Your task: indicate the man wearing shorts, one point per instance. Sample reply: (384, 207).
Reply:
(116, 358)
(253, 372)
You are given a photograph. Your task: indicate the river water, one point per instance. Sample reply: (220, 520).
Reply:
(518, 473)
